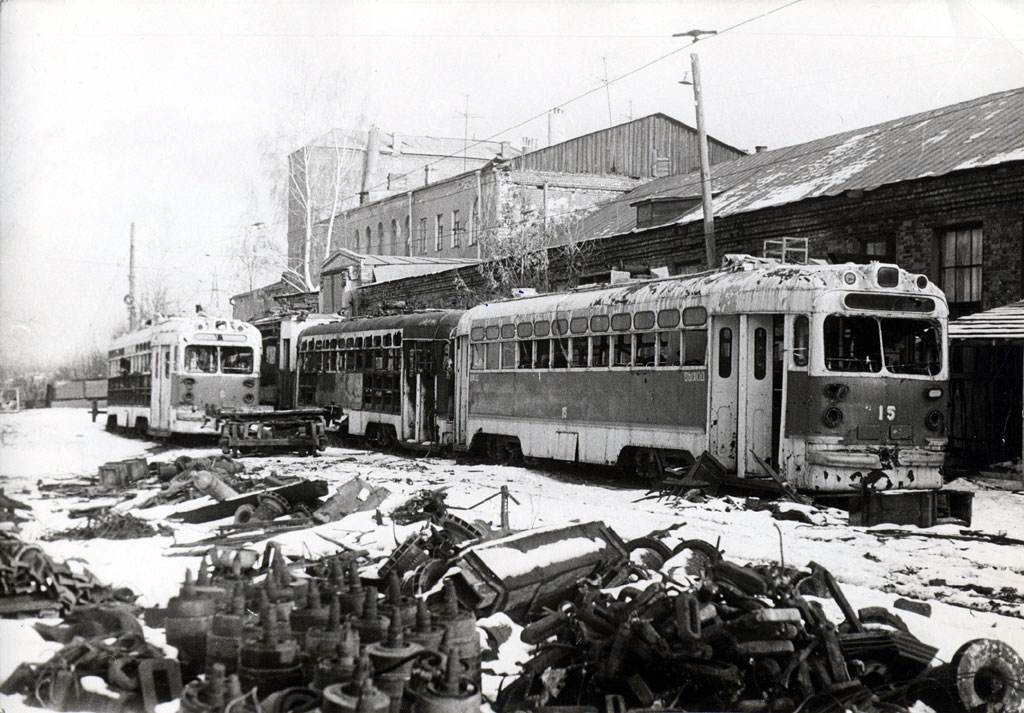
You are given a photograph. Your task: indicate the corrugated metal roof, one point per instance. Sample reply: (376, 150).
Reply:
(420, 325)
(1004, 323)
(980, 132)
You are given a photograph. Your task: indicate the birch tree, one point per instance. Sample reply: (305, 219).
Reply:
(313, 165)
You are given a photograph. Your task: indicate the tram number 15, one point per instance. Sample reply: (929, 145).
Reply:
(886, 413)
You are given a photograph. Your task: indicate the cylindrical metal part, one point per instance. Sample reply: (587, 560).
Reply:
(210, 484)
(353, 698)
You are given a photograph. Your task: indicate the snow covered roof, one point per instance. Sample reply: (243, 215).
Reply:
(981, 132)
(1005, 323)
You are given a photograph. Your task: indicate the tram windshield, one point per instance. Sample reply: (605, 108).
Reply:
(205, 359)
(871, 344)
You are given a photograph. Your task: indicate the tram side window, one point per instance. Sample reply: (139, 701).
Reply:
(525, 354)
(695, 347)
(201, 359)
(560, 356)
(542, 354)
(622, 350)
(236, 360)
(491, 358)
(668, 349)
(477, 356)
(579, 352)
(602, 350)
(801, 337)
(852, 344)
(760, 353)
(508, 355)
(645, 346)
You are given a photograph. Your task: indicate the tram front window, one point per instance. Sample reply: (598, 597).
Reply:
(201, 359)
(866, 344)
(236, 360)
(911, 346)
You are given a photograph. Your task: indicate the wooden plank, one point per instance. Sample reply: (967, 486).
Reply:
(789, 491)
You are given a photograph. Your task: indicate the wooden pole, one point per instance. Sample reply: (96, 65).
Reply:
(711, 250)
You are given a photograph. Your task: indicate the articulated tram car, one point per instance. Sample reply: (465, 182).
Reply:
(391, 377)
(177, 375)
(830, 374)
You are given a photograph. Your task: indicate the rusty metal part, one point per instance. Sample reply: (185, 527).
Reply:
(989, 676)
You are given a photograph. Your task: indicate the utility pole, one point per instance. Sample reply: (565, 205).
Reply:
(711, 250)
(130, 297)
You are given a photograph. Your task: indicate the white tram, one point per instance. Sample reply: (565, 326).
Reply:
(179, 374)
(831, 374)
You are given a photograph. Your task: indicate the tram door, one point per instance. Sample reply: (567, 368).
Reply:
(725, 378)
(757, 374)
(161, 414)
(461, 390)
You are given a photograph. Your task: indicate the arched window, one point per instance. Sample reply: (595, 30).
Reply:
(380, 238)
(408, 236)
(395, 237)
(355, 243)
(369, 237)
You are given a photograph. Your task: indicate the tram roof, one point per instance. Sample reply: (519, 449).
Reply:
(745, 284)
(420, 325)
(189, 323)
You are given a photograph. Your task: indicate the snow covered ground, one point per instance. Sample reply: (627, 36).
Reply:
(975, 588)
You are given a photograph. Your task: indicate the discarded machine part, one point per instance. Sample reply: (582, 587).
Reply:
(271, 506)
(502, 575)
(392, 661)
(306, 492)
(211, 484)
(371, 625)
(302, 430)
(425, 633)
(460, 635)
(989, 676)
(451, 692)
(359, 696)
(339, 668)
(356, 495)
(227, 632)
(313, 614)
(270, 660)
(189, 617)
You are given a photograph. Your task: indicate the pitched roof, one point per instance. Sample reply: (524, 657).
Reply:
(355, 139)
(980, 132)
(1002, 323)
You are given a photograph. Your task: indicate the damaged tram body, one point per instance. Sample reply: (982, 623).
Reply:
(177, 375)
(833, 375)
(390, 377)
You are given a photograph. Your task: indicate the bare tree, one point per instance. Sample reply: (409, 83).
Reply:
(313, 166)
(257, 256)
(531, 252)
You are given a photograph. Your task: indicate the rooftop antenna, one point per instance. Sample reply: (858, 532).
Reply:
(466, 116)
(607, 90)
(129, 299)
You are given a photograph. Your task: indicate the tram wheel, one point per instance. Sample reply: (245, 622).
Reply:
(386, 438)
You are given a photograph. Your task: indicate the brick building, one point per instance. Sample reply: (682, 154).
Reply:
(537, 198)
(356, 167)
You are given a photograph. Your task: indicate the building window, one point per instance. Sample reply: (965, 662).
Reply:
(369, 239)
(423, 235)
(408, 235)
(438, 231)
(960, 252)
(456, 227)
(355, 242)
(395, 237)
(380, 238)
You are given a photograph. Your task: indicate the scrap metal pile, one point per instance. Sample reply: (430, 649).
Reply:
(31, 582)
(614, 626)
(740, 638)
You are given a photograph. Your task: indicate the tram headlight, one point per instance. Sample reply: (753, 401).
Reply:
(934, 420)
(921, 281)
(248, 398)
(850, 277)
(188, 397)
(832, 417)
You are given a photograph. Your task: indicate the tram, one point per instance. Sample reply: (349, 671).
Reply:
(391, 376)
(178, 374)
(831, 375)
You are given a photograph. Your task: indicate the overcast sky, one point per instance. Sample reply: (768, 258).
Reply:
(161, 113)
